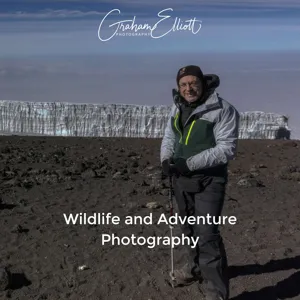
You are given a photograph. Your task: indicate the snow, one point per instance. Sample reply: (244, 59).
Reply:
(115, 120)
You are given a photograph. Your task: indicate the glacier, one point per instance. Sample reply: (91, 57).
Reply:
(116, 120)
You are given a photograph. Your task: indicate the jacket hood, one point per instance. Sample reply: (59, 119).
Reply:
(211, 82)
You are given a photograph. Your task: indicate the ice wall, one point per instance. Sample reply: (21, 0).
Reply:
(261, 125)
(115, 120)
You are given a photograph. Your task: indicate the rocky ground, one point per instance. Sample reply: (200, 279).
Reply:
(42, 257)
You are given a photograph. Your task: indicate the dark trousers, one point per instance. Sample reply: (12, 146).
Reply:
(199, 197)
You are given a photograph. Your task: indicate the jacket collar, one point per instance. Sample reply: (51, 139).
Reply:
(213, 102)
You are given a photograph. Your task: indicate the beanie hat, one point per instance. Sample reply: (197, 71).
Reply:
(189, 70)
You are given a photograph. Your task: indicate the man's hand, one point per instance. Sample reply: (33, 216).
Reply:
(179, 167)
(182, 167)
(168, 167)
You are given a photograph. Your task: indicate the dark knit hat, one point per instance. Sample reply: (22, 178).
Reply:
(189, 70)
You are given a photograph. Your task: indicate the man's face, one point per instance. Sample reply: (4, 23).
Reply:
(190, 88)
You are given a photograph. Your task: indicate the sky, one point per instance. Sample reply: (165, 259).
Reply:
(82, 52)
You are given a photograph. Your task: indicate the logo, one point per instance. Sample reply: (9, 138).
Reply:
(131, 28)
(182, 71)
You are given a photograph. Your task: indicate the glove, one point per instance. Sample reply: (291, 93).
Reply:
(182, 167)
(168, 167)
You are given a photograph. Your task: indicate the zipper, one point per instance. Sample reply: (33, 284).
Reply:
(201, 111)
(188, 135)
(177, 127)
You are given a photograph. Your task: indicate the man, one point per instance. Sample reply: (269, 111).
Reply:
(200, 139)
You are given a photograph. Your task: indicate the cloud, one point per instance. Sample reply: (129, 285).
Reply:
(96, 8)
(163, 2)
(50, 13)
(215, 3)
(172, 3)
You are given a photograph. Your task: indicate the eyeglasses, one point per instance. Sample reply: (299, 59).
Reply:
(193, 84)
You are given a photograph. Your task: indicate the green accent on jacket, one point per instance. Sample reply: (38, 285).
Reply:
(196, 136)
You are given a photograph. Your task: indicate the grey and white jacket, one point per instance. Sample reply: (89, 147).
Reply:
(224, 120)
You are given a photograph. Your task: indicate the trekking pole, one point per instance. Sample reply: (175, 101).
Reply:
(173, 279)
